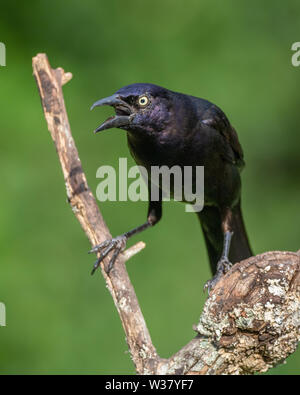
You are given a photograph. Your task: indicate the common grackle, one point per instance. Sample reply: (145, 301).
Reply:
(169, 128)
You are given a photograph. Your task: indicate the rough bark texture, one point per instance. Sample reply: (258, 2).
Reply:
(252, 316)
(250, 321)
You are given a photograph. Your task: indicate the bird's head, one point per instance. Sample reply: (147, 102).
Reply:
(140, 108)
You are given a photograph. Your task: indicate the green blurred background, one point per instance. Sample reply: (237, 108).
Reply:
(234, 53)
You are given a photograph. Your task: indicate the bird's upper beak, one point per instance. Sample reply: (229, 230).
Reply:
(123, 112)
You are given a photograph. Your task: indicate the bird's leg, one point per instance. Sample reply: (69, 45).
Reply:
(118, 244)
(223, 264)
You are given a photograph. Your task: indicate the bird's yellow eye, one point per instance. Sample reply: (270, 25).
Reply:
(143, 101)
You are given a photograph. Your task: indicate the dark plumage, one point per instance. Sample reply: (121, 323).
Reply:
(170, 128)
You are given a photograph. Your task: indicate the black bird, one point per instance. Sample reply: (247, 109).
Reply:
(169, 128)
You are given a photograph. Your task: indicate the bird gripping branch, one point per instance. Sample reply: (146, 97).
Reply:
(173, 129)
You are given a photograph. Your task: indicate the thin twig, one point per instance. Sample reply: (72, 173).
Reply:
(85, 208)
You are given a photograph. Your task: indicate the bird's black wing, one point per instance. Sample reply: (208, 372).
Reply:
(216, 119)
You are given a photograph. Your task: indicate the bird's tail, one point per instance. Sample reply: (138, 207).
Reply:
(210, 220)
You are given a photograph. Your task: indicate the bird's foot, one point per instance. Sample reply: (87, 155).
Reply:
(118, 244)
(223, 266)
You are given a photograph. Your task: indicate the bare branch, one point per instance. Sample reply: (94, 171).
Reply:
(85, 208)
(250, 321)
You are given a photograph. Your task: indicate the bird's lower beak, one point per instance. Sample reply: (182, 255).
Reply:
(121, 119)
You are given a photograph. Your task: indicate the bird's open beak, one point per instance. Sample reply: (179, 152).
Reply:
(122, 117)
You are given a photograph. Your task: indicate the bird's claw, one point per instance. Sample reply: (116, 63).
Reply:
(223, 266)
(117, 244)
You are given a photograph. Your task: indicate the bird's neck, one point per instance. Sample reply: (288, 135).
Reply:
(152, 151)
